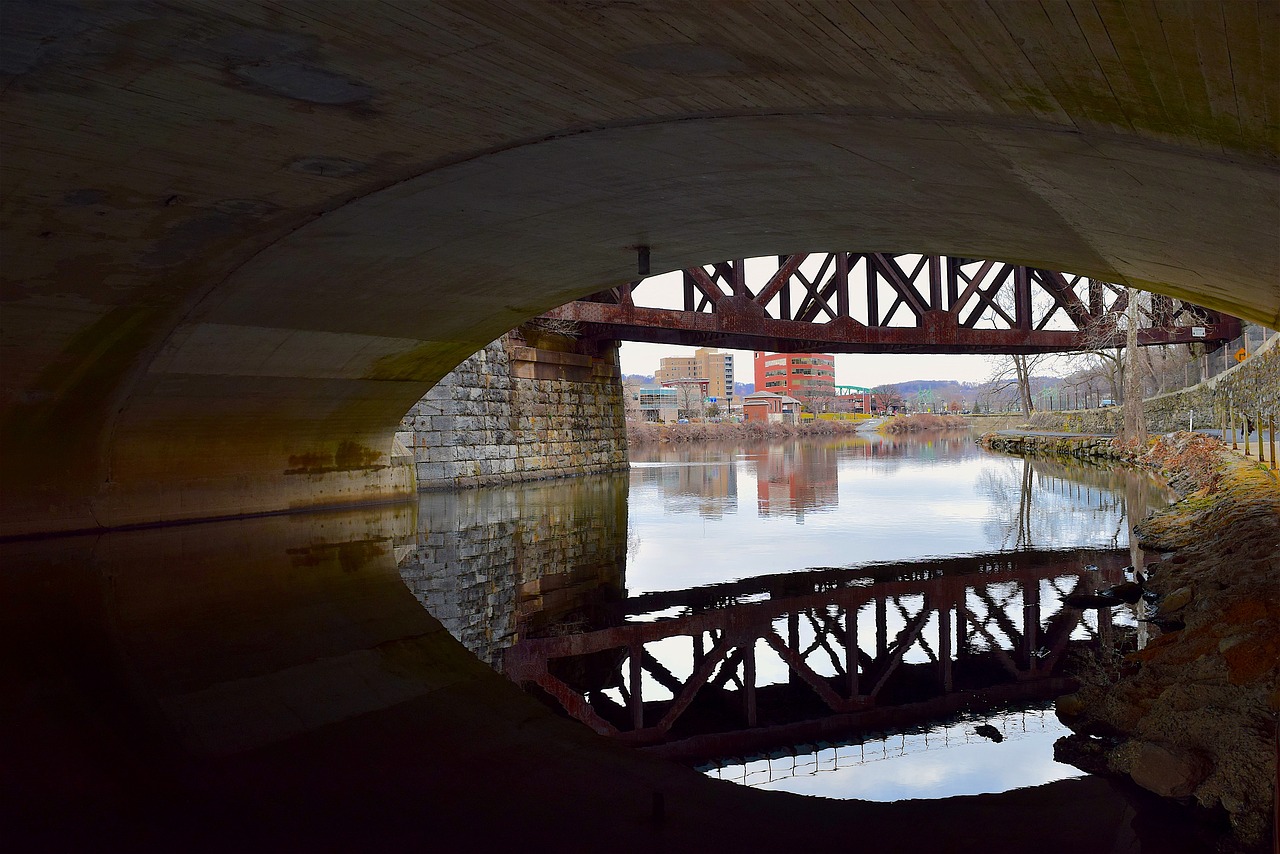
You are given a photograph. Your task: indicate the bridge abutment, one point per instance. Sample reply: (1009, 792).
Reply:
(528, 406)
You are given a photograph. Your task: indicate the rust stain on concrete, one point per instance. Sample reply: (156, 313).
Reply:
(349, 456)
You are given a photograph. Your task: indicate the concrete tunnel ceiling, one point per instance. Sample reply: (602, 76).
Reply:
(240, 241)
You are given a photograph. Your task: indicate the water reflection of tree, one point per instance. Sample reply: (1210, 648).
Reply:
(1035, 502)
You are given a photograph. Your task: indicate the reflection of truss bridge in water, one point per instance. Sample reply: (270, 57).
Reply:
(802, 657)
(807, 760)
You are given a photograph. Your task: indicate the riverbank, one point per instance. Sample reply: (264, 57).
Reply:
(648, 433)
(1192, 716)
(922, 422)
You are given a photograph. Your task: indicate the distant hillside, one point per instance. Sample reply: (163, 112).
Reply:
(925, 394)
(938, 387)
(967, 394)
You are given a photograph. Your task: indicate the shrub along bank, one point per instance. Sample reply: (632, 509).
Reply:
(921, 422)
(648, 433)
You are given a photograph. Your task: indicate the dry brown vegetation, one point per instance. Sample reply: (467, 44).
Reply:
(1191, 714)
(1191, 461)
(639, 433)
(922, 421)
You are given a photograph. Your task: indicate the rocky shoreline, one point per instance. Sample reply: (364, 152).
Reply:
(1193, 715)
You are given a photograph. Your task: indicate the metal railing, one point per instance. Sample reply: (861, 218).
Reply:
(1248, 426)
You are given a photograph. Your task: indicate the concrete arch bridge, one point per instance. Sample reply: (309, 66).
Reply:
(241, 240)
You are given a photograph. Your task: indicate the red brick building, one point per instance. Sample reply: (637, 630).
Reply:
(767, 406)
(808, 377)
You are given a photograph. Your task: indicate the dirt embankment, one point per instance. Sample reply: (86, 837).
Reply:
(1193, 715)
(648, 433)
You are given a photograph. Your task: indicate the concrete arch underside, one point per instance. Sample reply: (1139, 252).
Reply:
(241, 241)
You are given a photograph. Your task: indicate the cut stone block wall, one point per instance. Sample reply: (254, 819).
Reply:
(515, 411)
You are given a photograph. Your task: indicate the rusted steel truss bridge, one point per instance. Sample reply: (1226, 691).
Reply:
(845, 302)
(847, 652)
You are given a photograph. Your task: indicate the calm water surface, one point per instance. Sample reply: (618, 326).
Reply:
(852, 617)
(701, 515)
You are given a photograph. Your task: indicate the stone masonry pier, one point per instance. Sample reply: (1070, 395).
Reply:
(527, 406)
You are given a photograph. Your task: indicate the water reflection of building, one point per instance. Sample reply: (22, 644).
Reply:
(692, 479)
(496, 565)
(796, 477)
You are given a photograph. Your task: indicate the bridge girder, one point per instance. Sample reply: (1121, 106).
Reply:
(933, 304)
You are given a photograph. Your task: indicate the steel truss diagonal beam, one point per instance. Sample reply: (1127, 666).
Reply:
(845, 302)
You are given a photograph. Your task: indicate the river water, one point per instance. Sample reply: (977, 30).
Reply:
(852, 617)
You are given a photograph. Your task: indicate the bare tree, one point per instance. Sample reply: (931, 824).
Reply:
(1014, 373)
(887, 397)
(1105, 363)
(1135, 421)
(631, 399)
(689, 400)
(819, 399)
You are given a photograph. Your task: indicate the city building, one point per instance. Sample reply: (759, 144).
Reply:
(705, 364)
(767, 406)
(656, 404)
(690, 396)
(808, 377)
(856, 399)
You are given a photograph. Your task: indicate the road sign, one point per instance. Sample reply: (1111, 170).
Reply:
(1242, 354)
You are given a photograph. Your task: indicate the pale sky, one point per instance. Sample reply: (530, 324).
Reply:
(851, 369)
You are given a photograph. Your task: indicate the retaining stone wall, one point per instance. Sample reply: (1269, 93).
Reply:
(517, 412)
(1253, 387)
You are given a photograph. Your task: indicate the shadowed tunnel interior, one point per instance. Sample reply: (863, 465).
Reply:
(240, 240)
